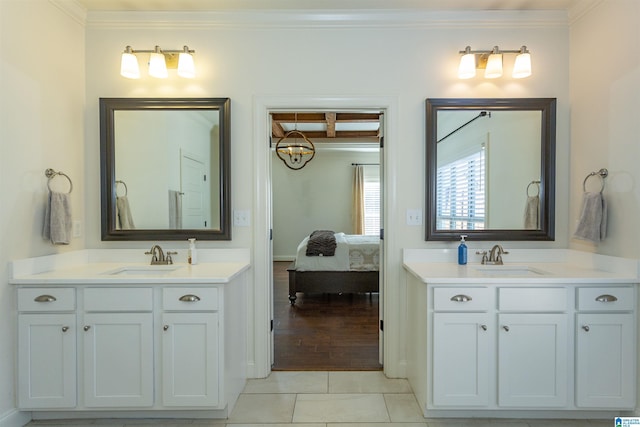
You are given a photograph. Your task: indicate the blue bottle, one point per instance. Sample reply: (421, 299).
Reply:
(462, 250)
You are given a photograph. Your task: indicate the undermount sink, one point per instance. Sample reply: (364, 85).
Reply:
(510, 270)
(150, 270)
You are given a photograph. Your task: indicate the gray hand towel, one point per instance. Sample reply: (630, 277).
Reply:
(124, 217)
(592, 225)
(532, 213)
(175, 210)
(57, 218)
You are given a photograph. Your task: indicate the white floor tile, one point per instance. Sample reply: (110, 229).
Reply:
(340, 408)
(283, 425)
(263, 408)
(366, 382)
(377, 425)
(403, 408)
(289, 382)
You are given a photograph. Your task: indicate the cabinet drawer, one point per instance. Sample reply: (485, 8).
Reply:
(461, 299)
(533, 299)
(190, 299)
(608, 298)
(46, 299)
(118, 299)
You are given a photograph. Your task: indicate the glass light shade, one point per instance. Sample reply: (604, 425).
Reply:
(158, 66)
(522, 66)
(494, 66)
(129, 66)
(186, 67)
(467, 67)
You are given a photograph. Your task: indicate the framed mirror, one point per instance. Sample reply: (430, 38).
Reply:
(490, 168)
(165, 168)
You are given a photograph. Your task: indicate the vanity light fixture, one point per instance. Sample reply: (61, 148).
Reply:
(491, 62)
(159, 61)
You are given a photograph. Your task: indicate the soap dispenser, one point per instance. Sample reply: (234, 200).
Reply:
(462, 250)
(192, 254)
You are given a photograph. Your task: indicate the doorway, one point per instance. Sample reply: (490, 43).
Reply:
(325, 330)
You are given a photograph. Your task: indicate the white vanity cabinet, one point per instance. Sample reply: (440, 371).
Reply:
(190, 347)
(463, 331)
(117, 332)
(605, 347)
(157, 349)
(46, 348)
(533, 351)
(512, 348)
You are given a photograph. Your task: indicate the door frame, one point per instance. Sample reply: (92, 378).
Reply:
(260, 341)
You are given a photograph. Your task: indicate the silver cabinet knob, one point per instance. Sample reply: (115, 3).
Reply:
(87, 327)
(461, 298)
(506, 328)
(586, 328)
(65, 328)
(189, 298)
(165, 327)
(606, 298)
(483, 327)
(45, 298)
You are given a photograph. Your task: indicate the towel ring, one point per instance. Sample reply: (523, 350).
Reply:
(50, 173)
(538, 187)
(126, 190)
(602, 173)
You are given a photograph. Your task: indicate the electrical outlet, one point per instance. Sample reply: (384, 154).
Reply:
(414, 216)
(241, 218)
(77, 228)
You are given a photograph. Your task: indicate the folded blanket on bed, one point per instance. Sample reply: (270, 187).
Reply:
(321, 243)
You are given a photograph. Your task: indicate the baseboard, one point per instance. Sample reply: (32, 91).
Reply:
(284, 258)
(15, 418)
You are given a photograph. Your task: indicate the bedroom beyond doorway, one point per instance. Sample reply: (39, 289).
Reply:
(326, 315)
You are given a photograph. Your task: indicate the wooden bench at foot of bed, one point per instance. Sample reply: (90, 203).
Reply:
(331, 282)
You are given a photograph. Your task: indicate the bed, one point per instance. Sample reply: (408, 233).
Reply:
(353, 268)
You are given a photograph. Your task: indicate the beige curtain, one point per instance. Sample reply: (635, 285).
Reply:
(358, 200)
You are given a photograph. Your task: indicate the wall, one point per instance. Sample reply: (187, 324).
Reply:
(317, 197)
(41, 126)
(605, 130)
(405, 57)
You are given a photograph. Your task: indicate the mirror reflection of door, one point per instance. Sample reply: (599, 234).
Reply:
(194, 183)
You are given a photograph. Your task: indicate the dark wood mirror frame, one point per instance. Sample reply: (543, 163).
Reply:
(547, 106)
(108, 106)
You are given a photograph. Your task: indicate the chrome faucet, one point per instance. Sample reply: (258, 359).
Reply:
(157, 256)
(495, 255)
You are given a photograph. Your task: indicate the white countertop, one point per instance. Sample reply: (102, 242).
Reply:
(96, 267)
(570, 267)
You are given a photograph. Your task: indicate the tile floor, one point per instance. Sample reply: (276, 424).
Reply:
(327, 399)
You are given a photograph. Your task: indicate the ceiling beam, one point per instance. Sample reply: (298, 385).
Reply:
(331, 124)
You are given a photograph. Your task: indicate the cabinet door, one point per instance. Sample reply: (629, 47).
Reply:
(605, 361)
(461, 359)
(118, 360)
(46, 361)
(532, 360)
(190, 359)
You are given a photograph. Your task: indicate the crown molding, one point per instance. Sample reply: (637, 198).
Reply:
(297, 19)
(580, 8)
(72, 8)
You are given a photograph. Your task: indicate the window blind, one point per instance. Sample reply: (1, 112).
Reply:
(371, 200)
(461, 193)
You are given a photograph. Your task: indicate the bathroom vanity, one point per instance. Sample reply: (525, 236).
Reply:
(551, 338)
(99, 334)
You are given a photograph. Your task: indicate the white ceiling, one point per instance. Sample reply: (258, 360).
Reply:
(211, 5)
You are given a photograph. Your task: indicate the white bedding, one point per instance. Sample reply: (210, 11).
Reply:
(353, 253)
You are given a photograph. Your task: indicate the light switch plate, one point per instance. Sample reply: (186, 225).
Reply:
(414, 216)
(241, 218)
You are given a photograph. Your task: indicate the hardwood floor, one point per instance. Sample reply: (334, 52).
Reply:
(324, 332)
